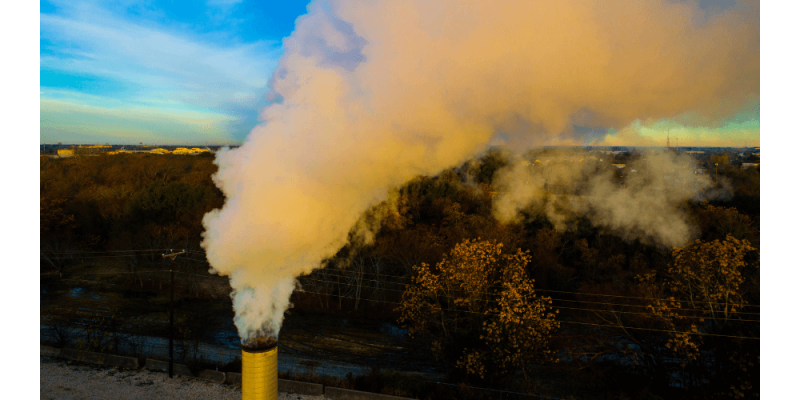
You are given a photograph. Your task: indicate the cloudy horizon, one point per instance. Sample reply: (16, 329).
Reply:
(169, 74)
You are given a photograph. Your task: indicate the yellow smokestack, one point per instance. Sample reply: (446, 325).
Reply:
(260, 373)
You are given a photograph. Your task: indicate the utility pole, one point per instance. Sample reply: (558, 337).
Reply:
(171, 298)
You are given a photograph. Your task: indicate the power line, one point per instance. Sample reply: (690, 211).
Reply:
(451, 297)
(562, 321)
(343, 273)
(645, 314)
(636, 305)
(662, 330)
(204, 276)
(626, 297)
(73, 256)
(589, 294)
(555, 306)
(116, 251)
(120, 273)
(192, 259)
(334, 271)
(554, 299)
(559, 321)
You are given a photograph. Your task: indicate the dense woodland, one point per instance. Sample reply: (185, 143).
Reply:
(499, 302)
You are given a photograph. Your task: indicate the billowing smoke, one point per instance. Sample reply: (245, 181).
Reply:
(369, 94)
(641, 199)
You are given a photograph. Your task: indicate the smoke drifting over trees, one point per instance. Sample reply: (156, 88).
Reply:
(647, 206)
(369, 95)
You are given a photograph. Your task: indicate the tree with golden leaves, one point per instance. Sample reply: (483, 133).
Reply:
(702, 293)
(481, 310)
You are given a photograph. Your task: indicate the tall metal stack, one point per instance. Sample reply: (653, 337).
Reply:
(260, 370)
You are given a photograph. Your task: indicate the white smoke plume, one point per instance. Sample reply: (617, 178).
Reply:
(645, 204)
(369, 94)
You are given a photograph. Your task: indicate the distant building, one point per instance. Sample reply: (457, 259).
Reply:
(66, 152)
(120, 151)
(747, 165)
(192, 151)
(158, 150)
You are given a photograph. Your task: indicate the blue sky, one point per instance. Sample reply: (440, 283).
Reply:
(166, 72)
(160, 72)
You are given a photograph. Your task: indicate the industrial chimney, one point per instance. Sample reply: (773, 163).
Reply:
(260, 369)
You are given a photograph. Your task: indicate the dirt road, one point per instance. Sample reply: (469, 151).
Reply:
(72, 381)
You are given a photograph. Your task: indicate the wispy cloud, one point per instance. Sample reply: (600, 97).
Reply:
(741, 130)
(125, 125)
(155, 63)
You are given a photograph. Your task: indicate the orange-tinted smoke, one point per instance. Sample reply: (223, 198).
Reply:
(369, 94)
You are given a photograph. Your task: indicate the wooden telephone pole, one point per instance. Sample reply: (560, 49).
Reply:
(171, 256)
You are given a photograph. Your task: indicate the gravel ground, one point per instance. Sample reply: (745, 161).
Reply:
(66, 380)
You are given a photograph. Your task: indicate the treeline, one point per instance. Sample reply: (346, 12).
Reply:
(633, 319)
(125, 201)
